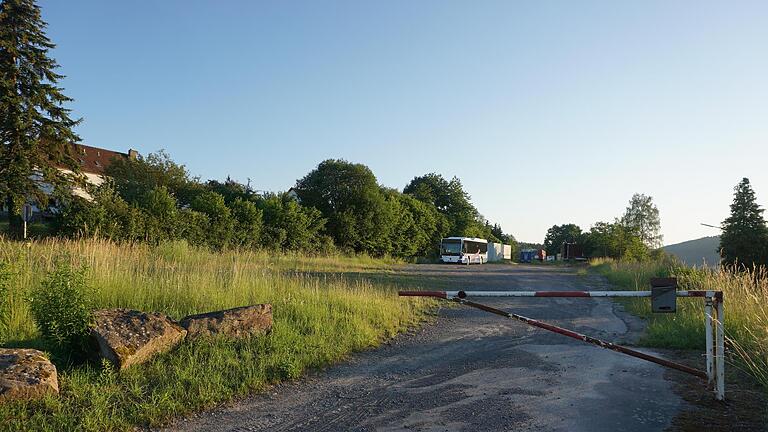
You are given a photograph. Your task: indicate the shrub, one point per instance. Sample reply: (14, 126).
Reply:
(81, 218)
(221, 226)
(248, 223)
(192, 226)
(61, 307)
(161, 211)
(289, 225)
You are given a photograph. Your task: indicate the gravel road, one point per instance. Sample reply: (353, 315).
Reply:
(473, 371)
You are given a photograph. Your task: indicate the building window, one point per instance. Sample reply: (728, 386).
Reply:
(96, 163)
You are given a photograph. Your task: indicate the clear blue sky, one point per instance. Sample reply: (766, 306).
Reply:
(549, 112)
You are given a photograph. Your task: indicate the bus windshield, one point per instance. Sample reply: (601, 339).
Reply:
(451, 247)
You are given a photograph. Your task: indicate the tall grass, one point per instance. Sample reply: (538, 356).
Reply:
(745, 296)
(320, 316)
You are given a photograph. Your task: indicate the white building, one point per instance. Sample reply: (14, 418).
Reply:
(93, 163)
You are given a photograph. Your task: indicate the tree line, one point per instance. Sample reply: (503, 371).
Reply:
(633, 236)
(337, 206)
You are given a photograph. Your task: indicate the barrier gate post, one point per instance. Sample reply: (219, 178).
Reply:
(719, 349)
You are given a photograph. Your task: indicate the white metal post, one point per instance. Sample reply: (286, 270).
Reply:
(720, 351)
(708, 332)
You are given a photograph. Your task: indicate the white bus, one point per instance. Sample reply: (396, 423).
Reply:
(464, 250)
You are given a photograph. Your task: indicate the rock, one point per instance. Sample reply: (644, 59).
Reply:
(238, 322)
(26, 374)
(128, 337)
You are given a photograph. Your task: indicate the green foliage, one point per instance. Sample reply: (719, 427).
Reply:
(614, 240)
(290, 226)
(744, 239)
(123, 221)
(155, 200)
(417, 227)
(107, 216)
(501, 237)
(633, 237)
(359, 218)
(319, 320)
(134, 178)
(450, 199)
(642, 219)
(231, 190)
(221, 224)
(192, 227)
(35, 128)
(248, 223)
(82, 218)
(61, 307)
(161, 212)
(559, 234)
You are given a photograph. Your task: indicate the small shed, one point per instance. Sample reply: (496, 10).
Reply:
(499, 252)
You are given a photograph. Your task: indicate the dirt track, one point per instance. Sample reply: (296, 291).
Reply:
(475, 371)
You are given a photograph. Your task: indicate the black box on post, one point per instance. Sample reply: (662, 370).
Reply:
(663, 295)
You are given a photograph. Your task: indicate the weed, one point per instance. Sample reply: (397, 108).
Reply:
(61, 307)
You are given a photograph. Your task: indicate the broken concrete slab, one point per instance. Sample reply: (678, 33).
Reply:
(26, 374)
(128, 337)
(243, 321)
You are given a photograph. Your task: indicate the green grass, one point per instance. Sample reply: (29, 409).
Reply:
(745, 299)
(320, 315)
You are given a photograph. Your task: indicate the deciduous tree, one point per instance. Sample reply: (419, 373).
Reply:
(450, 199)
(642, 218)
(350, 198)
(133, 178)
(559, 234)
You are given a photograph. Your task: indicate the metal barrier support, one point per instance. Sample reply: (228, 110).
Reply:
(713, 311)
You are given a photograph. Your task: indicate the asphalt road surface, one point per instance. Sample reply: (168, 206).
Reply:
(474, 371)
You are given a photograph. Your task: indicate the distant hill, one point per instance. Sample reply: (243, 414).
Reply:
(696, 252)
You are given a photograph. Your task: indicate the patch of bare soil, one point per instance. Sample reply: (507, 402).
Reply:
(745, 408)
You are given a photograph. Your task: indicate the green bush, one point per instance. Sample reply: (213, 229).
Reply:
(248, 223)
(221, 225)
(61, 307)
(81, 218)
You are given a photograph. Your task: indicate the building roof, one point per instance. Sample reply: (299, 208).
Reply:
(94, 160)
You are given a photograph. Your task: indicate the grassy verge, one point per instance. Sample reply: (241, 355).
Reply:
(320, 317)
(746, 314)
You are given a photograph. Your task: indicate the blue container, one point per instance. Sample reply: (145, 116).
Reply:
(527, 256)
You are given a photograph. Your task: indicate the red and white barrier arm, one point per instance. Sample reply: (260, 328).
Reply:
(588, 339)
(468, 294)
(460, 297)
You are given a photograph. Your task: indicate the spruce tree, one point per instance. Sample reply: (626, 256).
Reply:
(35, 129)
(745, 236)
